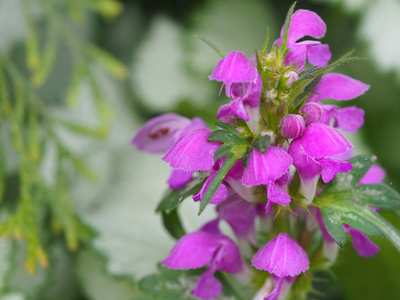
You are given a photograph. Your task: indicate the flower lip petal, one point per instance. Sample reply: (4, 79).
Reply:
(192, 152)
(282, 256)
(320, 141)
(305, 23)
(234, 67)
(338, 87)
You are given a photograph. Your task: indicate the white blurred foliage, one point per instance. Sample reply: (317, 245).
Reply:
(158, 74)
(13, 27)
(380, 26)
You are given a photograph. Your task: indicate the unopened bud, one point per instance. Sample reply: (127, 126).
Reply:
(292, 126)
(313, 112)
(292, 77)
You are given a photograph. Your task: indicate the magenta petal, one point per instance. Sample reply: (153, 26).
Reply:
(192, 251)
(338, 87)
(179, 179)
(282, 256)
(158, 134)
(320, 141)
(331, 167)
(234, 67)
(275, 293)
(319, 55)
(228, 258)
(305, 23)
(208, 286)
(276, 195)
(327, 237)
(374, 175)
(220, 195)
(263, 168)
(350, 119)
(361, 243)
(240, 216)
(297, 56)
(238, 109)
(192, 152)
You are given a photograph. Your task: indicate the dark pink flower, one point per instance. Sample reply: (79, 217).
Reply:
(342, 88)
(158, 134)
(266, 169)
(192, 152)
(242, 83)
(206, 247)
(312, 156)
(240, 215)
(284, 259)
(305, 23)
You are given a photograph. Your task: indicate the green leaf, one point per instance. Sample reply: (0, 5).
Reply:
(222, 151)
(168, 284)
(173, 223)
(287, 26)
(344, 201)
(210, 44)
(172, 199)
(214, 184)
(262, 143)
(246, 157)
(346, 181)
(334, 225)
(385, 227)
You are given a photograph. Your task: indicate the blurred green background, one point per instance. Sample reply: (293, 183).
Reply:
(168, 70)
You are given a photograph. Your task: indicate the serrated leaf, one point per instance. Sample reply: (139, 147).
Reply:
(222, 151)
(262, 143)
(228, 127)
(334, 225)
(344, 201)
(378, 195)
(246, 157)
(173, 223)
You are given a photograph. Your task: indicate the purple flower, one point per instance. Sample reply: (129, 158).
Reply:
(206, 247)
(240, 215)
(361, 242)
(179, 179)
(284, 259)
(374, 175)
(243, 84)
(266, 169)
(340, 87)
(305, 23)
(160, 133)
(192, 152)
(312, 156)
(220, 195)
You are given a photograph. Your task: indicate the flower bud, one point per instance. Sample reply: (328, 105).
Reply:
(292, 126)
(313, 111)
(292, 77)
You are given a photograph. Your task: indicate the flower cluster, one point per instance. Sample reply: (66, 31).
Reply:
(277, 148)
